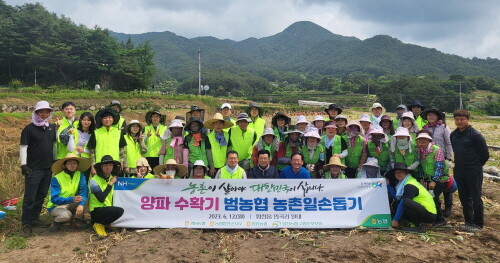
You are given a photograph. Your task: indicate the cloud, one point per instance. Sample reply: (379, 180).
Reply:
(466, 28)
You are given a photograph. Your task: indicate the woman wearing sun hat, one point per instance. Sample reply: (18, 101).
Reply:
(280, 124)
(332, 111)
(153, 135)
(218, 142)
(143, 169)
(195, 146)
(333, 143)
(404, 150)
(135, 145)
(199, 170)
(173, 143)
(268, 141)
(334, 169)
(379, 148)
(409, 123)
(314, 153)
(255, 111)
(68, 190)
(171, 170)
(356, 148)
(377, 111)
(370, 169)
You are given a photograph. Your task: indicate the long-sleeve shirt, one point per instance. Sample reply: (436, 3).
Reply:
(410, 191)
(469, 147)
(55, 191)
(441, 137)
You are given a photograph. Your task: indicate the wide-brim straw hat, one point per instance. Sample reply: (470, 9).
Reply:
(83, 163)
(209, 124)
(377, 105)
(149, 115)
(334, 160)
(182, 170)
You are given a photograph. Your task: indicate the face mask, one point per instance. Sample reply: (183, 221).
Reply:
(351, 134)
(402, 144)
(371, 172)
(170, 172)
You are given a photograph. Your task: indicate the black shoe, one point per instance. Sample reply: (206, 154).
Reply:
(471, 228)
(440, 223)
(55, 227)
(447, 211)
(418, 229)
(25, 231)
(40, 223)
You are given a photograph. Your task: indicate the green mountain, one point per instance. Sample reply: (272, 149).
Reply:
(304, 47)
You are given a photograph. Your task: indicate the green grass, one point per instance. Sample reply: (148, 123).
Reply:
(16, 242)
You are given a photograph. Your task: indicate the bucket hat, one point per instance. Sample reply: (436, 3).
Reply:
(106, 112)
(42, 105)
(280, 115)
(149, 115)
(377, 105)
(333, 107)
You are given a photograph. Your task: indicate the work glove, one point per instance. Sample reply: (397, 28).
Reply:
(25, 170)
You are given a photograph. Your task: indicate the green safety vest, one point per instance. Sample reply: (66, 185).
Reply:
(242, 142)
(234, 124)
(107, 143)
(408, 158)
(148, 176)
(69, 186)
(428, 165)
(258, 126)
(133, 151)
(424, 197)
(288, 154)
(62, 150)
(420, 122)
(119, 125)
(83, 154)
(238, 174)
(383, 157)
(93, 202)
(169, 151)
(336, 146)
(354, 154)
(278, 135)
(328, 175)
(319, 153)
(153, 142)
(218, 151)
(395, 124)
(197, 152)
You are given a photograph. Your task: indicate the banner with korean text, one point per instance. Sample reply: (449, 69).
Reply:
(266, 203)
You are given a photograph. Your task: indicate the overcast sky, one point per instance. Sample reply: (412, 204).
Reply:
(466, 28)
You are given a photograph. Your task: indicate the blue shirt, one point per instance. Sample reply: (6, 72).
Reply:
(287, 173)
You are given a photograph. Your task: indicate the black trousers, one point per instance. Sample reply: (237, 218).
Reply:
(105, 215)
(36, 187)
(470, 184)
(416, 213)
(438, 190)
(153, 161)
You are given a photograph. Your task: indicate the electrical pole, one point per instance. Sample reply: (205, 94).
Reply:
(35, 77)
(368, 94)
(461, 105)
(199, 72)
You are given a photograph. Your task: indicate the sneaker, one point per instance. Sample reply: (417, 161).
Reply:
(471, 228)
(55, 227)
(447, 211)
(25, 231)
(100, 230)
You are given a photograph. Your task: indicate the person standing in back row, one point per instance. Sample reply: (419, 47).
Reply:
(36, 155)
(471, 153)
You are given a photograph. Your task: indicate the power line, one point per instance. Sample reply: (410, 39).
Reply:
(57, 59)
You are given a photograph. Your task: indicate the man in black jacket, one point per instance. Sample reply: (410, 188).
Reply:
(471, 153)
(263, 170)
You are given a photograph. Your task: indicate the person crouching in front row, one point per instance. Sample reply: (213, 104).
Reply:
(102, 211)
(68, 191)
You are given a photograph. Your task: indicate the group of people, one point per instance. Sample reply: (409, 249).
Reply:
(413, 152)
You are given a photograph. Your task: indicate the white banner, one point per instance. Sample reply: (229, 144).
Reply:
(263, 203)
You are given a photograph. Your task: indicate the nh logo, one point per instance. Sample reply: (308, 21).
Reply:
(122, 183)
